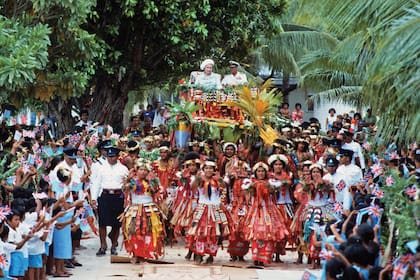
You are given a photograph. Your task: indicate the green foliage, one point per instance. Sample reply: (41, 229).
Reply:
(114, 47)
(399, 207)
(167, 39)
(394, 73)
(45, 50)
(182, 111)
(374, 62)
(23, 51)
(7, 171)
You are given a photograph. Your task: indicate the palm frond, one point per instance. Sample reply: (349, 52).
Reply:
(297, 27)
(322, 79)
(282, 51)
(394, 75)
(315, 60)
(352, 16)
(309, 40)
(281, 60)
(259, 107)
(354, 52)
(346, 94)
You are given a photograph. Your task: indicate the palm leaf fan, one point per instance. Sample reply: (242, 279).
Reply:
(268, 134)
(260, 108)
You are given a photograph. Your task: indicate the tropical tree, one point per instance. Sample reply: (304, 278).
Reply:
(373, 63)
(152, 42)
(47, 57)
(98, 52)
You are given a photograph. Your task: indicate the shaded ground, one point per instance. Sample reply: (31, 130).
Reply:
(101, 267)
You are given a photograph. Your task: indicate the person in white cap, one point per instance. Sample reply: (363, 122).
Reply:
(235, 78)
(208, 79)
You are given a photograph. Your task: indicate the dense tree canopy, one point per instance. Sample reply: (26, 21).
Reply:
(362, 54)
(100, 51)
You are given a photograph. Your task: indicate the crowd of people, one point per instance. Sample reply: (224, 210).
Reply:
(318, 195)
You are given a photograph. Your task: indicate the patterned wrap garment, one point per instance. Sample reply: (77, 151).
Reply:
(142, 221)
(265, 223)
(211, 220)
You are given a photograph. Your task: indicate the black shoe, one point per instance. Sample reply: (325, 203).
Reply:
(241, 259)
(209, 259)
(101, 252)
(188, 256)
(77, 264)
(198, 259)
(114, 251)
(233, 258)
(68, 264)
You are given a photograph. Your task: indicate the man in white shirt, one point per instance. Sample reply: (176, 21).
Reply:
(352, 173)
(349, 144)
(108, 198)
(342, 194)
(235, 78)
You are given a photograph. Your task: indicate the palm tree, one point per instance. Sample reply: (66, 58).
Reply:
(357, 53)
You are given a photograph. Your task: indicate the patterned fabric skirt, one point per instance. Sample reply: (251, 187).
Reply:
(238, 245)
(143, 231)
(314, 250)
(287, 212)
(210, 225)
(296, 226)
(262, 251)
(183, 216)
(265, 223)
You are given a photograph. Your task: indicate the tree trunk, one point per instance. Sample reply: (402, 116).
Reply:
(285, 82)
(60, 110)
(109, 100)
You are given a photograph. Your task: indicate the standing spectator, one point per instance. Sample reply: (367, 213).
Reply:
(297, 114)
(84, 119)
(352, 175)
(160, 117)
(149, 113)
(356, 122)
(369, 118)
(330, 119)
(284, 110)
(134, 125)
(350, 144)
(342, 194)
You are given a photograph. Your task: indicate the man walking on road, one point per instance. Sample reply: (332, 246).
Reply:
(108, 198)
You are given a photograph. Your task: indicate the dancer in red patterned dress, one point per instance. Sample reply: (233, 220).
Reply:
(142, 221)
(211, 220)
(239, 205)
(265, 224)
(281, 178)
(186, 198)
